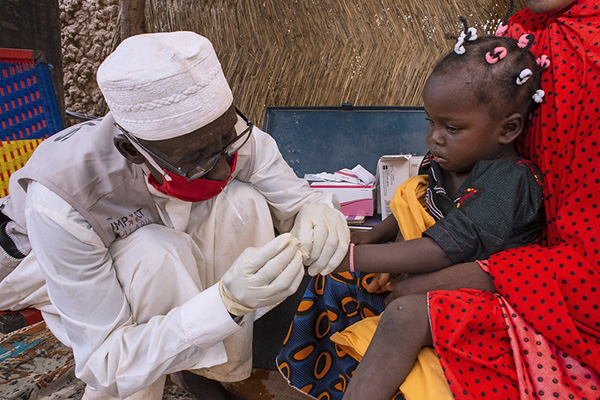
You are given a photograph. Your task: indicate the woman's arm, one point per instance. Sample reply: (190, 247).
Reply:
(459, 276)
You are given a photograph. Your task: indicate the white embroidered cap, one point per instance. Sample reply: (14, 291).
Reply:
(164, 85)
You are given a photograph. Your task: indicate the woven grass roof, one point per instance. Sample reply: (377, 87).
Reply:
(325, 52)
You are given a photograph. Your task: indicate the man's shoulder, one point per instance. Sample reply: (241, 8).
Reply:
(91, 133)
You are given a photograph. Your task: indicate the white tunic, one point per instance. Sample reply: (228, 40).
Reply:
(147, 305)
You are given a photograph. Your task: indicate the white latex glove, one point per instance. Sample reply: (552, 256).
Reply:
(324, 237)
(263, 276)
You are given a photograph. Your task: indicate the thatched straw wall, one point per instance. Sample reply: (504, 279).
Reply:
(325, 52)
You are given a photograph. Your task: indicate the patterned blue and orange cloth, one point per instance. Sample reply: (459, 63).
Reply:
(29, 111)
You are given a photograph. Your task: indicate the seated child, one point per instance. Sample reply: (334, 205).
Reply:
(481, 197)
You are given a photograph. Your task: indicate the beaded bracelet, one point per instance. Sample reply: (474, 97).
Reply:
(351, 257)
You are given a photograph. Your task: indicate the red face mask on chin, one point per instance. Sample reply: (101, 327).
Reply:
(192, 191)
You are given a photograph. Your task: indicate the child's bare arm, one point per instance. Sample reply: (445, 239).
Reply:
(385, 231)
(412, 256)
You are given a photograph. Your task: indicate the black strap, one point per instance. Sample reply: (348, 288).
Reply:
(6, 242)
(3, 218)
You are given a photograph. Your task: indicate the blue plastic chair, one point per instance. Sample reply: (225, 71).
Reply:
(29, 113)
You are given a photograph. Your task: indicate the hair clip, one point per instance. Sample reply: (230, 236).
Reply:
(523, 40)
(543, 61)
(503, 27)
(498, 54)
(470, 35)
(524, 76)
(501, 30)
(538, 96)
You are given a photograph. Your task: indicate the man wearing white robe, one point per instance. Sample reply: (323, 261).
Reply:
(176, 283)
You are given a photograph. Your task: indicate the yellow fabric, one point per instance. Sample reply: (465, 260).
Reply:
(355, 339)
(408, 207)
(426, 380)
(13, 155)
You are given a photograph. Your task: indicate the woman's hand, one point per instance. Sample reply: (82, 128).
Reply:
(458, 276)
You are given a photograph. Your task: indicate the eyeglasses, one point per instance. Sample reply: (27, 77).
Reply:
(207, 164)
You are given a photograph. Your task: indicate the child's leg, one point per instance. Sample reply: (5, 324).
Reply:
(401, 333)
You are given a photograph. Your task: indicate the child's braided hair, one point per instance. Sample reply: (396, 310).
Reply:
(502, 71)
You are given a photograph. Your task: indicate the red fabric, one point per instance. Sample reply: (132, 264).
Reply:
(540, 336)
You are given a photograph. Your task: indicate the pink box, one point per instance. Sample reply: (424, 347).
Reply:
(354, 199)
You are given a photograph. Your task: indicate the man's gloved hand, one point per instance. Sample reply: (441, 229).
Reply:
(263, 276)
(324, 237)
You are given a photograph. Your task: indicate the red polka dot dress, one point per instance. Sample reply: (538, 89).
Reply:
(539, 337)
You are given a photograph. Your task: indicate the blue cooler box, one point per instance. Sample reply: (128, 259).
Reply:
(327, 139)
